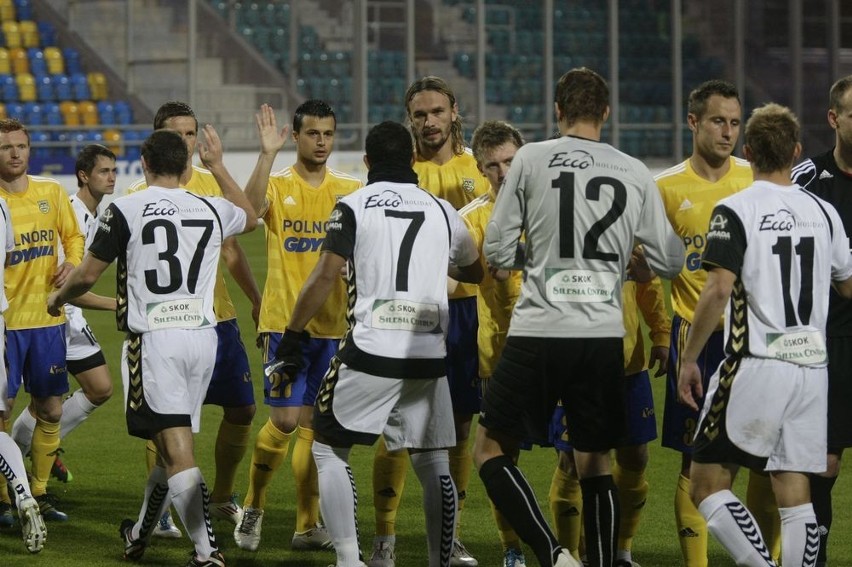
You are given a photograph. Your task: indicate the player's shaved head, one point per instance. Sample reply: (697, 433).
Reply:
(582, 94)
(389, 142)
(165, 153)
(172, 109)
(772, 135)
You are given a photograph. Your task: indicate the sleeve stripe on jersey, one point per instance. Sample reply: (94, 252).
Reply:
(821, 208)
(342, 175)
(804, 173)
(212, 208)
(477, 203)
(446, 218)
(674, 170)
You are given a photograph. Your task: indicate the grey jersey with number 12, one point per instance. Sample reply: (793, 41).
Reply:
(581, 206)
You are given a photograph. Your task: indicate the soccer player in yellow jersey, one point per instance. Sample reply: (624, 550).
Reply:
(690, 191)
(448, 170)
(295, 204)
(494, 144)
(43, 221)
(231, 386)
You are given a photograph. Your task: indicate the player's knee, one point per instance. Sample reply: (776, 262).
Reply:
(285, 424)
(99, 394)
(633, 457)
(242, 415)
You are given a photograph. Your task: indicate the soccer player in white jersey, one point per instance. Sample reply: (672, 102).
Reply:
(580, 204)
(11, 461)
(772, 253)
(388, 378)
(167, 243)
(95, 168)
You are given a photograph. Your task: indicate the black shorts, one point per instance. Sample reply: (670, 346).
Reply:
(839, 393)
(76, 367)
(533, 374)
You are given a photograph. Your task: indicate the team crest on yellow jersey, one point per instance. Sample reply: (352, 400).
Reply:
(44, 207)
(468, 184)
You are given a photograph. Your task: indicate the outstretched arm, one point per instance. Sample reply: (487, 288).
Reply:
(271, 141)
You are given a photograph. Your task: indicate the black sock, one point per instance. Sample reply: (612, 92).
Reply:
(512, 495)
(600, 519)
(821, 498)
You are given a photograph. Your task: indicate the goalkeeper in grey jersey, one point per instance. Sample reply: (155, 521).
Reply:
(582, 205)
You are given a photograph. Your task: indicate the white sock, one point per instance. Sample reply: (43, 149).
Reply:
(440, 502)
(338, 502)
(153, 504)
(75, 410)
(732, 524)
(190, 498)
(22, 431)
(12, 467)
(799, 535)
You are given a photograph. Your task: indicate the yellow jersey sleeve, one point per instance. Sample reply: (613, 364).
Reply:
(203, 184)
(43, 221)
(494, 299)
(295, 224)
(689, 201)
(459, 182)
(643, 301)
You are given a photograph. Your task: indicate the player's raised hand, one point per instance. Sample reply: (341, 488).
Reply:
(271, 138)
(689, 388)
(210, 148)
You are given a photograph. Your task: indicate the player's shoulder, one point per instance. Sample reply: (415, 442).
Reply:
(667, 175)
(481, 203)
(136, 186)
(42, 183)
(344, 178)
(284, 174)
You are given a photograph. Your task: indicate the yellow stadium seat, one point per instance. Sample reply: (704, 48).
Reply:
(29, 33)
(5, 64)
(26, 87)
(55, 62)
(7, 10)
(112, 140)
(3, 115)
(12, 33)
(70, 113)
(88, 113)
(98, 86)
(20, 61)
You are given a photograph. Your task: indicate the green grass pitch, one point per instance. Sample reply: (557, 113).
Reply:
(109, 475)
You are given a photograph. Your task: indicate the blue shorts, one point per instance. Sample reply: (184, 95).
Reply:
(641, 421)
(316, 355)
(231, 385)
(463, 356)
(36, 359)
(679, 421)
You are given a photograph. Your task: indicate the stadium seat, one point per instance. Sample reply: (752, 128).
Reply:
(3, 115)
(12, 33)
(46, 34)
(33, 115)
(54, 60)
(70, 113)
(35, 56)
(15, 110)
(23, 9)
(9, 88)
(123, 113)
(29, 33)
(5, 64)
(98, 86)
(18, 58)
(88, 113)
(62, 87)
(26, 87)
(44, 88)
(112, 140)
(132, 146)
(72, 60)
(106, 112)
(37, 138)
(52, 114)
(7, 11)
(80, 87)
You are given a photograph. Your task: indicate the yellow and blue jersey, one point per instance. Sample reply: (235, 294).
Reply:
(494, 299)
(203, 184)
(689, 200)
(295, 229)
(458, 181)
(647, 300)
(44, 225)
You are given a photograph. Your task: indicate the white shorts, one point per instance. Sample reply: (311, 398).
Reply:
(79, 339)
(777, 411)
(176, 368)
(409, 413)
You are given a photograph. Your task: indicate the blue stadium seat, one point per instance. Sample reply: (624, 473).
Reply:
(62, 87)
(123, 113)
(106, 112)
(9, 88)
(46, 34)
(33, 115)
(23, 10)
(15, 110)
(44, 88)
(37, 137)
(72, 61)
(52, 114)
(80, 87)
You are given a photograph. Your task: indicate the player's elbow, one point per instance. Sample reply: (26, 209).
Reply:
(844, 288)
(469, 274)
(251, 222)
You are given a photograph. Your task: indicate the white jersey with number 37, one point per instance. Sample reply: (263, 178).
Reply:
(167, 244)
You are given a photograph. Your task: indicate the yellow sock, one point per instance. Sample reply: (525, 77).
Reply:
(389, 470)
(760, 501)
(508, 537)
(43, 452)
(461, 466)
(231, 444)
(150, 455)
(4, 492)
(307, 483)
(691, 527)
(566, 507)
(632, 494)
(270, 450)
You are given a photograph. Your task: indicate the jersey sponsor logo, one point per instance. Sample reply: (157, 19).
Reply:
(782, 221)
(162, 208)
(36, 236)
(580, 286)
(302, 244)
(403, 315)
(693, 259)
(176, 314)
(27, 254)
(304, 226)
(387, 199)
(806, 348)
(576, 159)
(44, 207)
(468, 184)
